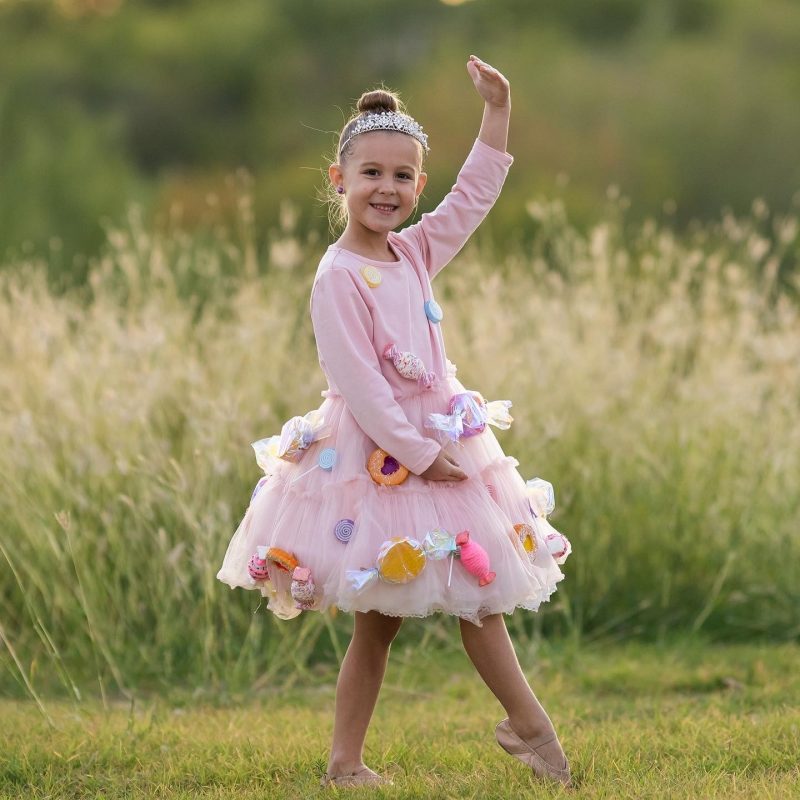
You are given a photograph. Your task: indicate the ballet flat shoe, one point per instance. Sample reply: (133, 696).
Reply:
(526, 753)
(364, 777)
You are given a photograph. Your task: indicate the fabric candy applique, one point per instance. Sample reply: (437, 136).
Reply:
(433, 311)
(343, 530)
(296, 436)
(371, 275)
(257, 566)
(302, 588)
(527, 536)
(409, 366)
(385, 469)
(468, 415)
(281, 559)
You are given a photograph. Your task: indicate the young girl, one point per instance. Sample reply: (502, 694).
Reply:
(369, 500)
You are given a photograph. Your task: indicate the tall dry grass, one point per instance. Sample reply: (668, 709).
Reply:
(655, 383)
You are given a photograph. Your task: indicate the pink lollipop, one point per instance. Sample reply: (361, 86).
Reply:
(474, 558)
(409, 366)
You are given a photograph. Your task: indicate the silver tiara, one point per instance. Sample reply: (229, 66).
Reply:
(388, 121)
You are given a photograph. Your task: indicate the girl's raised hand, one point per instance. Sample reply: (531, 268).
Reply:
(491, 84)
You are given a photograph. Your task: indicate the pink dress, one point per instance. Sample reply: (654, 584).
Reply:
(369, 404)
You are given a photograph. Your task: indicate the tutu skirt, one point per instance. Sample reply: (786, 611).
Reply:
(297, 507)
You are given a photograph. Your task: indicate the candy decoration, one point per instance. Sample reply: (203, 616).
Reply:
(409, 366)
(433, 311)
(302, 588)
(385, 469)
(475, 559)
(541, 497)
(295, 437)
(527, 536)
(492, 491)
(326, 460)
(469, 414)
(281, 559)
(261, 482)
(399, 560)
(371, 275)
(558, 546)
(343, 530)
(257, 566)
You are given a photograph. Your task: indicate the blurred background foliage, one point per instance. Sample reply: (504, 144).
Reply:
(682, 107)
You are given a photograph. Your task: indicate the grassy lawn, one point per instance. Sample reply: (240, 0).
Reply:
(684, 720)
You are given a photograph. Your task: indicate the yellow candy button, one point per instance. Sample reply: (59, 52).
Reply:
(371, 275)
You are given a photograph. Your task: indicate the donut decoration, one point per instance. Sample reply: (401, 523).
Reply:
(469, 414)
(526, 536)
(558, 546)
(257, 565)
(343, 530)
(541, 497)
(327, 461)
(281, 559)
(399, 560)
(261, 481)
(385, 469)
(302, 588)
(409, 366)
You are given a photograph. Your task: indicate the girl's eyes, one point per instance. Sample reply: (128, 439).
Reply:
(404, 175)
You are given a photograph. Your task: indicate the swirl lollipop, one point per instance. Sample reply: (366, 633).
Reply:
(327, 461)
(343, 530)
(409, 366)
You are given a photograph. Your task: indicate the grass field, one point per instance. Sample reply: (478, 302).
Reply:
(679, 720)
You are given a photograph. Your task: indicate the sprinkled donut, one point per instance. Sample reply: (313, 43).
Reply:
(385, 469)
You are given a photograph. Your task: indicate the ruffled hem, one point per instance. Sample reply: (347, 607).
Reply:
(298, 506)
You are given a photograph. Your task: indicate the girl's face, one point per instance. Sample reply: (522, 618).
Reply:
(382, 179)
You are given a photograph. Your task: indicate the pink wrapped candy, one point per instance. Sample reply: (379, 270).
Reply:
(558, 546)
(409, 366)
(474, 559)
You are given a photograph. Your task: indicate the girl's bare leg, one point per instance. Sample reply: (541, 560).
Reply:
(360, 679)
(491, 651)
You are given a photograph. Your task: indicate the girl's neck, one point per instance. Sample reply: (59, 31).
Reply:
(375, 247)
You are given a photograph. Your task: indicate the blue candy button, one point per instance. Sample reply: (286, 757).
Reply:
(433, 311)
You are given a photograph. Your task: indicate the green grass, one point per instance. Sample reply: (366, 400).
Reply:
(684, 720)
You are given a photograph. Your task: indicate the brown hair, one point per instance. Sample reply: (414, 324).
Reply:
(372, 102)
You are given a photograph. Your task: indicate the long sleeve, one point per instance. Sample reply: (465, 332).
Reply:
(343, 329)
(441, 233)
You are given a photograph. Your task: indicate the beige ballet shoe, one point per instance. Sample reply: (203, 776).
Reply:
(364, 777)
(525, 751)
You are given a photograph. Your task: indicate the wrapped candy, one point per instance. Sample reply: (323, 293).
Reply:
(409, 366)
(558, 546)
(399, 560)
(257, 566)
(295, 437)
(541, 497)
(302, 588)
(474, 558)
(469, 414)
(527, 536)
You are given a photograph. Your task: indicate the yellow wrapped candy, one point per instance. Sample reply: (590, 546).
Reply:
(399, 560)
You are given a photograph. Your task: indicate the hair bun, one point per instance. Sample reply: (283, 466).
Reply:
(378, 100)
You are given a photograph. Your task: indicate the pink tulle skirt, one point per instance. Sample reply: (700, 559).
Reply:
(297, 508)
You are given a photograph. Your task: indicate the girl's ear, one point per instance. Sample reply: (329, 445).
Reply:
(421, 181)
(335, 174)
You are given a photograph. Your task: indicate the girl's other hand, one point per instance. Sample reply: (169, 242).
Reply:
(491, 84)
(444, 468)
